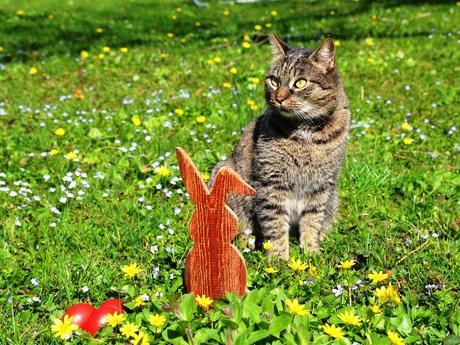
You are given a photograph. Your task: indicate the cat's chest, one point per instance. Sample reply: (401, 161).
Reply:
(300, 166)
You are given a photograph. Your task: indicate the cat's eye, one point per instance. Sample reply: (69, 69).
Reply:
(273, 82)
(300, 83)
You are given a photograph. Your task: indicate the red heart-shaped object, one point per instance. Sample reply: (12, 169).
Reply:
(90, 319)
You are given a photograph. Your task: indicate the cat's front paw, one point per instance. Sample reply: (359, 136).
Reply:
(281, 253)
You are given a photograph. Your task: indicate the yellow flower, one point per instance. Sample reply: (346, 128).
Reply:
(370, 42)
(106, 49)
(233, 70)
(84, 54)
(170, 35)
(139, 301)
(274, 13)
(395, 339)
(246, 45)
(217, 59)
(205, 176)
(297, 265)
(375, 309)
(246, 37)
(33, 70)
(254, 80)
(226, 85)
(333, 331)
(226, 13)
(406, 127)
(179, 112)
(174, 17)
(136, 121)
(337, 43)
(64, 328)
(1, 49)
(197, 24)
(210, 62)
(296, 308)
(258, 27)
(268, 245)
(115, 319)
(203, 301)
(350, 318)
(131, 270)
(377, 277)
(99, 30)
(268, 25)
(347, 264)
(387, 294)
(157, 320)
(370, 61)
(270, 270)
(200, 119)
(71, 156)
(54, 152)
(20, 13)
(374, 17)
(129, 329)
(101, 56)
(313, 271)
(162, 171)
(178, 9)
(408, 141)
(124, 50)
(59, 132)
(140, 339)
(164, 56)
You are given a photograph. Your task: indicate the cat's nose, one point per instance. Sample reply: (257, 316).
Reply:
(281, 96)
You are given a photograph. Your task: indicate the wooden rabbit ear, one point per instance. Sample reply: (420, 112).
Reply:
(227, 180)
(191, 176)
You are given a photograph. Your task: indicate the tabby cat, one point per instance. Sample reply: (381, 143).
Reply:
(292, 153)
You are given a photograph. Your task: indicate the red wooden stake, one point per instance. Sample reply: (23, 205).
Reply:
(213, 266)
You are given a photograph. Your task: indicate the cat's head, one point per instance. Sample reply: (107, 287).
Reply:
(302, 84)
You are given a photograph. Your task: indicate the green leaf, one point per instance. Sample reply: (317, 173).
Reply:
(187, 307)
(290, 339)
(321, 340)
(241, 338)
(342, 341)
(402, 322)
(95, 133)
(451, 340)
(256, 336)
(203, 335)
(279, 324)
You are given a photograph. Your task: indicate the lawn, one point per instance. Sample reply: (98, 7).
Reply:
(96, 95)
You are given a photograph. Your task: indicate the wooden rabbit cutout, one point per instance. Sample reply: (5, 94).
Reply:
(213, 266)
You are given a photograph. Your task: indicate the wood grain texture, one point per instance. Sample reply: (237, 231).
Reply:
(213, 266)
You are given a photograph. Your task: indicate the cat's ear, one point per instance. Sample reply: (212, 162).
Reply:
(324, 56)
(278, 46)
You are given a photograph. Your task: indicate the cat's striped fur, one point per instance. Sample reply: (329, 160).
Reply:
(293, 152)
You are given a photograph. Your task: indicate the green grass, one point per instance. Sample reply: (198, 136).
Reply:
(399, 202)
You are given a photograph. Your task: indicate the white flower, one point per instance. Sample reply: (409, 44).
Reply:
(85, 289)
(34, 282)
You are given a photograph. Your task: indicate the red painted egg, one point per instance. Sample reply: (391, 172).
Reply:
(99, 317)
(81, 313)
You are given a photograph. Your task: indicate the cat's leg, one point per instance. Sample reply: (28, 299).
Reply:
(329, 213)
(273, 222)
(312, 221)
